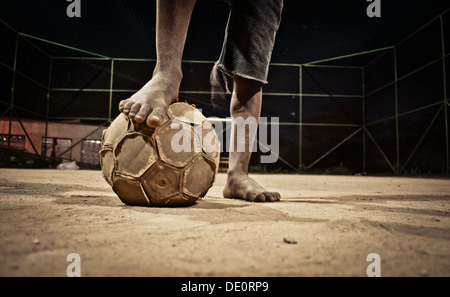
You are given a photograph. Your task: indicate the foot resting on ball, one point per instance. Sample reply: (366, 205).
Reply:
(150, 103)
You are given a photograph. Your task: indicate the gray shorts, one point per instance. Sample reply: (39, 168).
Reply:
(249, 38)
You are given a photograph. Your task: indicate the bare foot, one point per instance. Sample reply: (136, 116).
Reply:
(241, 186)
(150, 103)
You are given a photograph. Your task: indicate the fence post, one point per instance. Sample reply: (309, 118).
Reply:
(363, 88)
(300, 117)
(111, 81)
(13, 85)
(397, 136)
(446, 105)
(49, 86)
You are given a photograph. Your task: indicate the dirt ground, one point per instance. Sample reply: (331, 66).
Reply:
(324, 226)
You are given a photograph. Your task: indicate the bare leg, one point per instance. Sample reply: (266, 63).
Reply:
(245, 102)
(150, 103)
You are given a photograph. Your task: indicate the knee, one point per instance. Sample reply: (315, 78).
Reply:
(246, 87)
(247, 96)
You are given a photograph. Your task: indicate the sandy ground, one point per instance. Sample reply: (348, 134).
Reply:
(331, 224)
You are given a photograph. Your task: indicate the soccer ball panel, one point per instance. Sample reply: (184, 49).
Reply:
(130, 191)
(135, 155)
(180, 200)
(209, 140)
(161, 182)
(115, 131)
(107, 163)
(177, 146)
(186, 112)
(198, 177)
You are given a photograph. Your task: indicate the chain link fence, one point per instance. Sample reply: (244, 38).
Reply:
(380, 111)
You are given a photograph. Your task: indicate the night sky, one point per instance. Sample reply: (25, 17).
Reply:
(310, 29)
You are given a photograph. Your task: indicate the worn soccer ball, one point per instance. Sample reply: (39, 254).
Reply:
(172, 165)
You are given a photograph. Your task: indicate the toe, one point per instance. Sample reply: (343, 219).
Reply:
(142, 114)
(260, 197)
(127, 107)
(269, 196)
(277, 196)
(134, 110)
(251, 196)
(122, 104)
(157, 117)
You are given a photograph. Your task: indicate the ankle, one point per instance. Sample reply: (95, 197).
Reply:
(232, 173)
(172, 72)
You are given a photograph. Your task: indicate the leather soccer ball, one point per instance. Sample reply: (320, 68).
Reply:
(172, 165)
